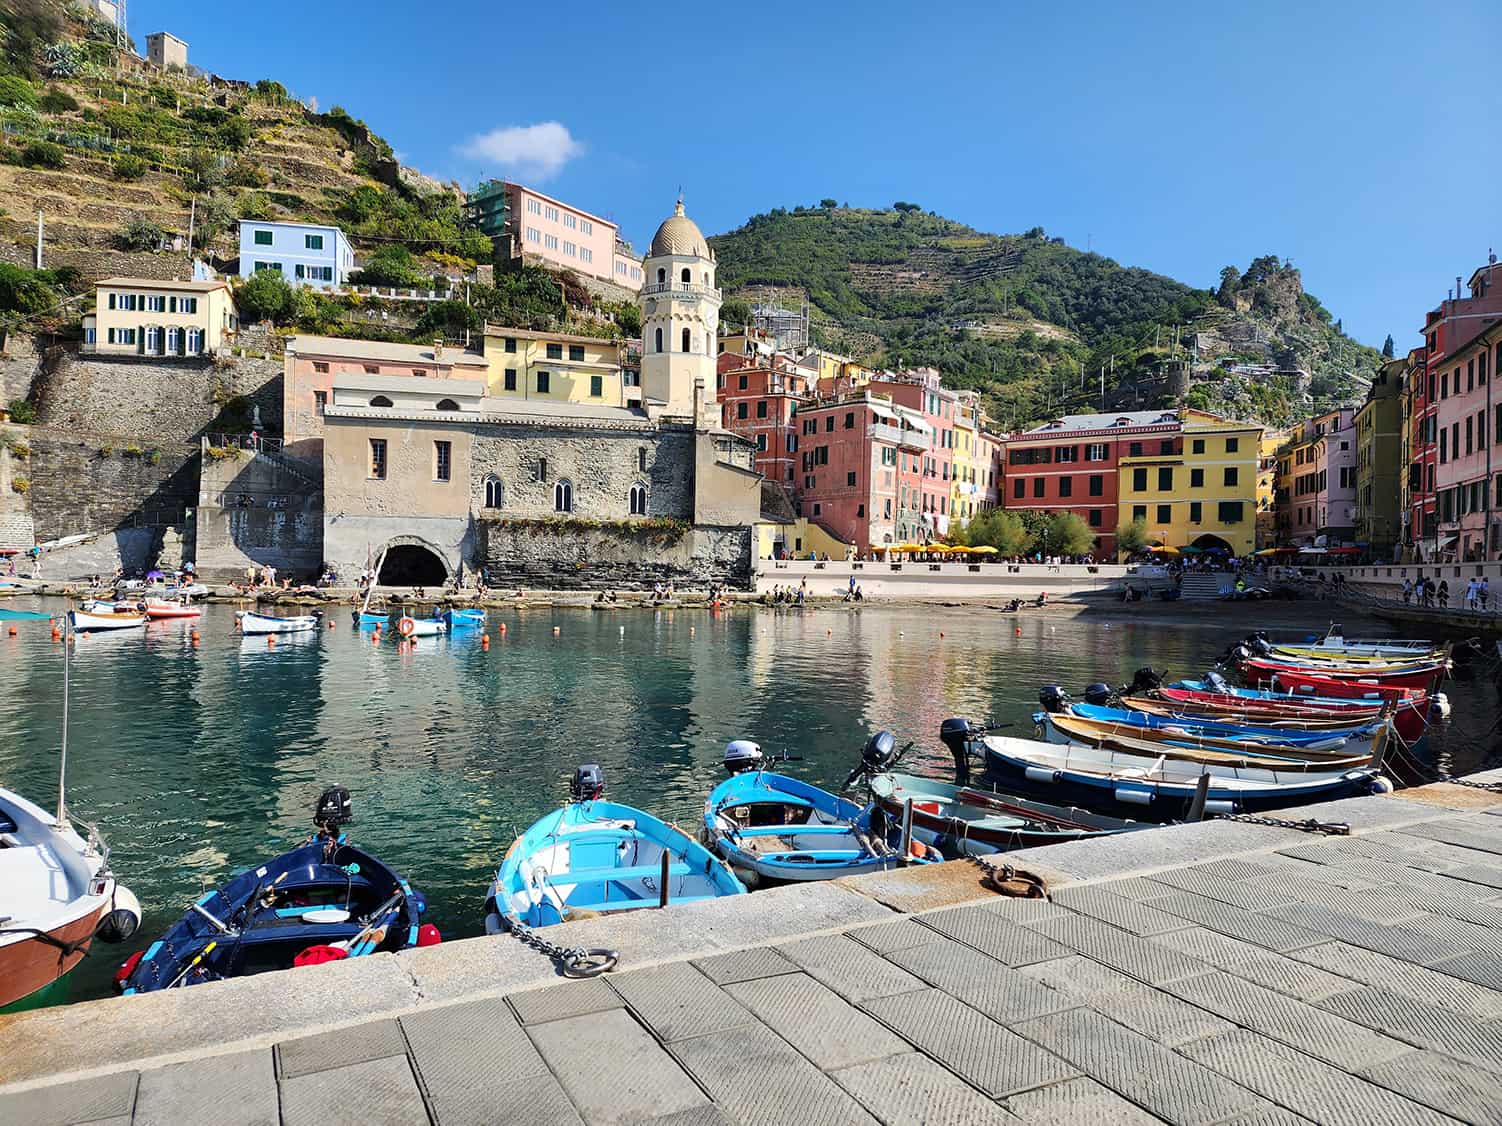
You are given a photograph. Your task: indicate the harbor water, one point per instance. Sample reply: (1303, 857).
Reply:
(196, 762)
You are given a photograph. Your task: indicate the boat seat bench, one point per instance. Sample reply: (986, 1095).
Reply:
(592, 875)
(792, 830)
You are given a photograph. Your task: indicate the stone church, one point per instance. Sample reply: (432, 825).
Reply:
(424, 477)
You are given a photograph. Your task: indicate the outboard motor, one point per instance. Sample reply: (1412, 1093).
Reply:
(588, 782)
(334, 808)
(1216, 683)
(1098, 694)
(879, 752)
(1257, 643)
(956, 734)
(1146, 679)
(742, 755)
(1053, 698)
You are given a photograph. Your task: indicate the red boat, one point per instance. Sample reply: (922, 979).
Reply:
(156, 610)
(1346, 684)
(1410, 711)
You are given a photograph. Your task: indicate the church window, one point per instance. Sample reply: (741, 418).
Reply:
(659, 341)
(563, 497)
(542, 469)
(638, 500)
(687, 277)
(662, 277)
(687, 341)
(641, 459)
(495, 492)
(380, 401)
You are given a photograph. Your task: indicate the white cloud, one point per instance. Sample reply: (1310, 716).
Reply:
(534, 152)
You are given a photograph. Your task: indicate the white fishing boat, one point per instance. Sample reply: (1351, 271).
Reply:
(100, 618)
(408, 626)
(251, 622)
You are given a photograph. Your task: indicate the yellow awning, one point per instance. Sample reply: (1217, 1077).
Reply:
(986, 549)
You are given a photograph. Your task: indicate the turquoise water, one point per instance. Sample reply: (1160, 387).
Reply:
(196, 763)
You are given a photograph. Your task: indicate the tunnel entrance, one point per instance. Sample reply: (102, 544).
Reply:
(408, 564)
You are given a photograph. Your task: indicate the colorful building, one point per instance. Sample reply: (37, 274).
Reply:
(553, 366)
(933, 407)
(1379, 461)
(311, 254)
(540, 229)
(1469, 476)
(146, 317)
(758, 399)
(1322, 468)
(1267, 486)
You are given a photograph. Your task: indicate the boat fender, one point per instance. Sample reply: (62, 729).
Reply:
(123, 917)
(317, 955)
(1041, 774)
(917, 849)
(1135, 797)
(419, 902)
(428, 935)
(1381, 785)
(406, 626)
(1441, 706)
(127, 968)
(1218, 807)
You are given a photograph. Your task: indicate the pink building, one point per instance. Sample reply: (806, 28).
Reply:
(539, 228)
(1469, 474)
(1322, 460)
(922, 394)
(312, 363)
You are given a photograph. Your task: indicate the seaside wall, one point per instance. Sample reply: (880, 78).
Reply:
(583, 555)
(257, 509)
(941, 580)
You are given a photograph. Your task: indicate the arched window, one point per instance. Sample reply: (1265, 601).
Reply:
(638, 499)
(687, 341)
(706, 277)
(563, 497)
(446, 405)
(662, 277)
(708, 343)
(687, 277)
(380, 401)
(659, 341)
(495, 492)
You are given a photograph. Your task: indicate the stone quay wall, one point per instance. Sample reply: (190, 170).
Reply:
(563, 554)
(257, 509)
(83, 482)
(941, 580)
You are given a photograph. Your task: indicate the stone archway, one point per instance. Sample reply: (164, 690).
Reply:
(1209, 542)
(412, 564)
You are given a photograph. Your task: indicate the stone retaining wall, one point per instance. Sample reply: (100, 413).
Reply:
(257, 509)
(569, 555)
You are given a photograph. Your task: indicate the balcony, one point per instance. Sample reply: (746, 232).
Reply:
(686, 289)
(918, 441)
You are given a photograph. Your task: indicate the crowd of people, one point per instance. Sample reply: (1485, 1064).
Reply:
(1428, 592)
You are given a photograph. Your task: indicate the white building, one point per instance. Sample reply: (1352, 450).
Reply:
(680, 320)
(311, 254)
(166, 51)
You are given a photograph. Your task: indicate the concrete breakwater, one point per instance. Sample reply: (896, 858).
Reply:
(1190, 974)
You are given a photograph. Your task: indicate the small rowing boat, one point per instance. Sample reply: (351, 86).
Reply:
(1187, 746)
(370, 619)
(595, 857)
(1291, 676)
(158, 609)
(466, 618)
(250, 622)
(408, 626)
(88, 621)
(1331, 736)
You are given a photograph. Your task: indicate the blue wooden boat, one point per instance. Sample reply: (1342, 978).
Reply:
(595, 857)
(775, 827)
(324, 900)
(463, 618)
(369, 619)
(1241, 733)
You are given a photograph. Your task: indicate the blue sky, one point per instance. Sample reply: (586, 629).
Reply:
(1359, 139)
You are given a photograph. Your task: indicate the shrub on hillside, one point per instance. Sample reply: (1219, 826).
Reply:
(246, 173)
(16, 91)
(236, 133)
(204, 168)
(57, 101)
(42, 154)
(265, 296)
(129, 167)
(141, 235)
(23, 412)
(391, 265)
(253, 205)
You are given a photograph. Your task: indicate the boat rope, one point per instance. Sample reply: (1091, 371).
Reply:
(68, 948)
(574, 961)
(1307, 825)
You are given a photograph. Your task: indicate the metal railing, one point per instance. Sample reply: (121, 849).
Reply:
(680, 287)
(254, 443)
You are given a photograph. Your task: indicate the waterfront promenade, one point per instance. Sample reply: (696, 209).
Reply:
(1218, 973)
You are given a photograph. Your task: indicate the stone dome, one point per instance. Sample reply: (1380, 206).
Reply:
(679, 235)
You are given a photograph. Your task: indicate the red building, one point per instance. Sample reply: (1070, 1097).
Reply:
(1070, 465)
(758, 396)
(922, 394)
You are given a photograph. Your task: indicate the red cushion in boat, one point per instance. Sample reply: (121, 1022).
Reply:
(317, 955)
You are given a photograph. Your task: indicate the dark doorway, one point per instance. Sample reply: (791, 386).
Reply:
(409, 565)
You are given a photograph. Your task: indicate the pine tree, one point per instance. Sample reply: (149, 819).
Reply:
(1387, 348)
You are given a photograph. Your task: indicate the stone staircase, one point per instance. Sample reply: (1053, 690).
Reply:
(1198, 586)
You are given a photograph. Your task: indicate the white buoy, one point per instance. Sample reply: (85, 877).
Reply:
(623, 631)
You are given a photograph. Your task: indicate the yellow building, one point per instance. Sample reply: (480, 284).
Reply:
(967, 486)
(1204, 493)
(553, 366)
(1267, 486)
(146, 317)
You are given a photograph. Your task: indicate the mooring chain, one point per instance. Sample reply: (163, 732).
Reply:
(1490, 787)
(575, 961)
(1308, 825)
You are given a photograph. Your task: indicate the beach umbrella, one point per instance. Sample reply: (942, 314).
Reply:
(985, 549)
(1164, 549)
(1191, 550)
(153, 575)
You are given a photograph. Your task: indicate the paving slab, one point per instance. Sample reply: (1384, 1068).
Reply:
(1421, 1023)
(612, 1070)
(923, 886)
(1274, 971)
(744, 965)
(1269, 890)
(1311, 1030)
(990, 933)
(559, 1002)
(1466, 836)
(1482, 969)
(759, 1080)
(983, 983)
(816, 1021)
(893, 936)
(1133, 956)
(852, 970)
(912, 1088)
(1444, 1083)
(1127, 1001)
(1469, 937)
(1099, 902)
(1248, 926)
(232, 1090)
(1145, 1072)
(1171, 846)
(987, 1055)
(1018, 910)
(707, 1115)
(676, 1001)
(376, 1091)
(63, 1104)
(1367, 967)
(1141, 889)
(370, 1041)
(1395, 941)
(1305, 1085)
(1075, 1102)
(1267, 1114)
(459, 1048)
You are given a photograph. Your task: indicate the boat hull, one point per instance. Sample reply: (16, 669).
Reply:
(1070, 731)
(84, 622)
(251, 623)
(32, 965)
(1287, 677)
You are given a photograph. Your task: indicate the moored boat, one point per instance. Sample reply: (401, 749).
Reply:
(1188, 746)
(321, 901)
(1331, 736)
(1291, 676)
(594, 857)
(86, 621)
(158, 609)
(408, 626)
(370, 619)
(249, 622)
(463, 618)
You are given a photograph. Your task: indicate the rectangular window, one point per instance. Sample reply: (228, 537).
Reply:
(569, 220)
(829, 424)
(596, 386)
(570, 249)
(511, 344)
(443, 458)
(1195, 511)
(761, 443)
(1165, 479)
(1468, 434)
(1230, 476)
(1019, 487)
(1444, 445)
(741, 410)
(1139, 512)
(534, 207)
(1135, 449)
(849, 420)
(1165, 447)
(1095, 518)
(850, 479)
(263, 238)
(1198, 446)
(378, 458)
(1066, 453)
(1196, 478)
(1066, 487)
(541, 472)
(1037, 488)
(320, 400)
(1097, 485)
(297, 271)
(509, 379)
(1095, 452)
(1165, 514)
(1232, 444)
(1229, 512)
(1139, 480)
(586, 254)
(312, 242)
(576, 353)
(555, 351)
(543, 379)
(372, 369)
(761, 408)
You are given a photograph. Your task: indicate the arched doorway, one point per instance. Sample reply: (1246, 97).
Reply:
(409, 564)
(1213, 544)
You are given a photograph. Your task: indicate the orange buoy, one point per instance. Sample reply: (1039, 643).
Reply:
(331, 623)
(56, 633)
(503, 627)
(11, 631)
(485, 642)
(1019, 631)
(556, 631)
(270, 641)
(691, 631)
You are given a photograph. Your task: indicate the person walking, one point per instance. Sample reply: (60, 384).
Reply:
(1407, 591)
(1470, 595)
(1444, 593)
(1483, 591)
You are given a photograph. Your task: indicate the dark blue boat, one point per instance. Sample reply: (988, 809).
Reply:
(322, 901)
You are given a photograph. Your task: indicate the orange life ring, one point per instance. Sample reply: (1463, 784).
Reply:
(406, 626)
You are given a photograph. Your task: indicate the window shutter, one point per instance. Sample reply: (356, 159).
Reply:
(111, 300)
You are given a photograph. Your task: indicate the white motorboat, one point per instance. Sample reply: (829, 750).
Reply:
(251, 622)
(102, 617)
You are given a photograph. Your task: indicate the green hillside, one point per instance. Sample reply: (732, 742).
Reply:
(1028, 319)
